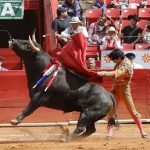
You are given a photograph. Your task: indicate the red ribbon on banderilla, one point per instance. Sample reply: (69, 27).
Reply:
(53, 69)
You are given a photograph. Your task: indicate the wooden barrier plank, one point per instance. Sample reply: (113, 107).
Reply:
(14, 96)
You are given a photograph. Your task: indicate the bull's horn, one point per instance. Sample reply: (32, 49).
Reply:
(33, 46)
(33, 36)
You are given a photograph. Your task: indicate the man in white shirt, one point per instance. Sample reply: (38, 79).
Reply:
(75, 27)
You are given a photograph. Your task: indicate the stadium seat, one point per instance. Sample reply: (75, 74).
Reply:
(129, 11)
(144, 13)
(127, 46)
(134, 1)
(141, 46)
(107, 22)
(92, 15)
(148, 3)
(91, 51)
(142, 24)
(112, 12)
(92, 48)
(124, 23)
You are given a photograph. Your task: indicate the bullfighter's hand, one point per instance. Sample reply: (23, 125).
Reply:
(100, 73)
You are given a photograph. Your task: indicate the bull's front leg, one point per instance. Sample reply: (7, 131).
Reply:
(30, 108)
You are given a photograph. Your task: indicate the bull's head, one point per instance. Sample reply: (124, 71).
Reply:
(25, 48)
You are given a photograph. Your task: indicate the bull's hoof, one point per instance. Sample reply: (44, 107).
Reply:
(65, 131)
(63, 140)
(15, 122)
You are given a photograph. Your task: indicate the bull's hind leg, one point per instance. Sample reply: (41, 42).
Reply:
(80, 129)
(85, 126)
(90, 129)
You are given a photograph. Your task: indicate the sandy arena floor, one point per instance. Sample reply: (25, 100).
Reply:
(47, 138)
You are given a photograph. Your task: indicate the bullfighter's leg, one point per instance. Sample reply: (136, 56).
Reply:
(127, 98)
(30, 108)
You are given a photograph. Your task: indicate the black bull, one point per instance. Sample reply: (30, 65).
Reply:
(68, 92)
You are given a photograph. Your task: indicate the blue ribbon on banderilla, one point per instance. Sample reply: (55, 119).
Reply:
(54, 68)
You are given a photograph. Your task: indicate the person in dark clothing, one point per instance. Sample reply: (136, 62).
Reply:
(61, 23)
(74, 8)
(132, 33)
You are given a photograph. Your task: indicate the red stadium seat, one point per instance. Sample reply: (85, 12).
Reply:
(142, 24)
(129, 11)
(92, 15)
(144, 13)
(107, 22)
(134, 1)
(112, 12)
(92, 48)
(91, 51)
(141, 46)
(124, 23)
(148, 3)
(127, 46)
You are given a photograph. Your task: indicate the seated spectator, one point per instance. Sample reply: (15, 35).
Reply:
(146, 34)
(132, 33)
(143, 3)
(131, 57)
(119, 4)
(61, 23)
(91, 63)
(75, 27)
(99, 4)
(1, 62)
(111, 40)
(97, 30)
(74, 8)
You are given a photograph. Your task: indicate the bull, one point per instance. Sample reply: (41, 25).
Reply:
(68, 92)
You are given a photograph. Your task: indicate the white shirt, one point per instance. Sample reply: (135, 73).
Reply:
(137, 66)
(67, 32)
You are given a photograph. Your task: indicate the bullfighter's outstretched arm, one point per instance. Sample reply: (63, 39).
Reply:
(123, 70)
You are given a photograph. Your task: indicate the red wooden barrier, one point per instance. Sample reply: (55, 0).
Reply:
(14, 96)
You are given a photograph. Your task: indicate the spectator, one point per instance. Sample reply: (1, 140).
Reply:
(61, 23)
(2, 68)
(99, 4)
(74, 28)
(111, 40)
(146, 34)
(97, 30)
(119, 3)
(131, 57)
(91, 63)
(132, 33)
(74, 8)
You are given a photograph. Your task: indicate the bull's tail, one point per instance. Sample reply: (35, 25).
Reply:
(114, 119)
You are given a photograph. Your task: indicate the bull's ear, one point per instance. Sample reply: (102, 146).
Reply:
(33, 46)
